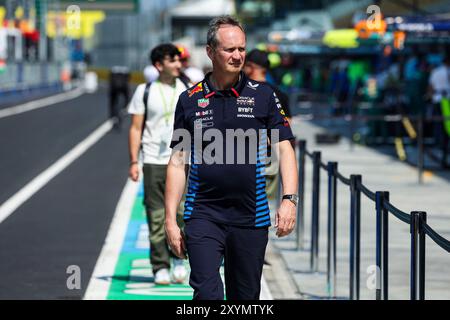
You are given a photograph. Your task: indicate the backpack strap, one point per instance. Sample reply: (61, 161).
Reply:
(186, 83)
(145, 100)
(185, 79)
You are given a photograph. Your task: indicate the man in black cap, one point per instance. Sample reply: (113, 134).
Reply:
(256, 66)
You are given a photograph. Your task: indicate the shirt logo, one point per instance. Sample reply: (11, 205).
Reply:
(252, 86)
(196, 89)
(203, 103)
(245, 101)
(277, 101)
(203, 123)
(245, 112)
(203, 113)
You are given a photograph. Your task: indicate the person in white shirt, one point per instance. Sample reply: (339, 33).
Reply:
(151, 130)
(439, 83)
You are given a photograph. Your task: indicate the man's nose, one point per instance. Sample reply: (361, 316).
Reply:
(236, 55)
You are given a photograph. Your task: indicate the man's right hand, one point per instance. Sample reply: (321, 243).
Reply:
(134, 172)
(175, 238)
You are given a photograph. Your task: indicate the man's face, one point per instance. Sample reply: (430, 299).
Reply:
(170, 66)
(250, 68)
(229, 55)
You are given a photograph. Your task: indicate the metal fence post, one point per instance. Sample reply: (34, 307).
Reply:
(315, 212)
(355, 235)
(331, 238)
(382, 254)
(301, 194)
(418, 255)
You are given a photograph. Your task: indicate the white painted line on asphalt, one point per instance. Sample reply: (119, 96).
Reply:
(100, 281)
(10, 205)
(265, 291)
(36, 104)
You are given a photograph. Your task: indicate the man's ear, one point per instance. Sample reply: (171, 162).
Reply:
(159, 66)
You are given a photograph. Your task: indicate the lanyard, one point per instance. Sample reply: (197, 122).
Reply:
(168, 109)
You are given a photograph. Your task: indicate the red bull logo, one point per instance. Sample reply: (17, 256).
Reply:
(198, 88)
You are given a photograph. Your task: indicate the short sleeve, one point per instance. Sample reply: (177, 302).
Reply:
(277, 119)
(179, 122)
(136, 105)
(284, 100)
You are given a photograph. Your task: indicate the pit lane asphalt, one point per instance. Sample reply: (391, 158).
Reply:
(66, 222)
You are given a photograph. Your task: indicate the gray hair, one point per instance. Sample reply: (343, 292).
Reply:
(214, 26)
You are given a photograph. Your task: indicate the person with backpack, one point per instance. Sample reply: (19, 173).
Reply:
(152, 108)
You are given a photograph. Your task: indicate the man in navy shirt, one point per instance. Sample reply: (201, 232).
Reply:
(227, 213)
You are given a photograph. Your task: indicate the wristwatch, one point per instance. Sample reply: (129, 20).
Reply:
(291, 197)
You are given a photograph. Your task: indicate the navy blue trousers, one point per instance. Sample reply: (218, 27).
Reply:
(242, 250)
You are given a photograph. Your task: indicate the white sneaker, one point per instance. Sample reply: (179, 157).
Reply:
(162, 276)
(179, 272)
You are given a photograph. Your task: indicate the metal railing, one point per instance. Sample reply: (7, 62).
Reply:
(416, 127)
(24, 75)
(417, 220)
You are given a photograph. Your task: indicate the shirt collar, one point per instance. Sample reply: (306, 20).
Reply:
(235, 91)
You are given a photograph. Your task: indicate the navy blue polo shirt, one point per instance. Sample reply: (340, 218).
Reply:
(230, 191)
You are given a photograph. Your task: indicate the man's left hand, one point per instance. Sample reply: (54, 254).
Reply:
(285, 218)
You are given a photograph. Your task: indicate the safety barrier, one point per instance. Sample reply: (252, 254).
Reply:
(417, 220)
(20, 76)
(415, 133)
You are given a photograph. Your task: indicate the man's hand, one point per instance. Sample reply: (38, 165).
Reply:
(175, 238)
(285, 218)
(134, 172)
